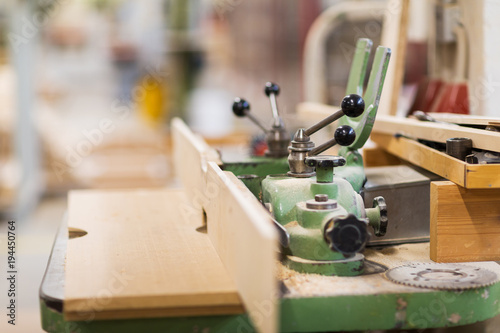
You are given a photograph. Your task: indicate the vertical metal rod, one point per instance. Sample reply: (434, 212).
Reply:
(274, 108)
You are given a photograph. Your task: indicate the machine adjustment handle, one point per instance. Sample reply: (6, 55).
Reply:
(272, 90)
(346, 235)
(344, 136)
(352, 106)
(325, 161)
(241, 108)
(380, 226)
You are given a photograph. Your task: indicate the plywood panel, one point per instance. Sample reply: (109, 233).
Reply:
(244, 236)
(142, 257)
(465, 223)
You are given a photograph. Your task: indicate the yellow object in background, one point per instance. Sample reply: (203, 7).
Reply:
(151, 101)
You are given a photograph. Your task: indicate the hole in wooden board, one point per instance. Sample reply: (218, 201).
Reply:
(76, 233)
(203, 227)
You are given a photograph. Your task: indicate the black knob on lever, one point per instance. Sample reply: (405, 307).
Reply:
(352, 106)
(344, 136)
(271, 88)
(241, 108)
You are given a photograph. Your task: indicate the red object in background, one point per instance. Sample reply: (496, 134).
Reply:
(428, 90)
(454, 98)
(259, 149)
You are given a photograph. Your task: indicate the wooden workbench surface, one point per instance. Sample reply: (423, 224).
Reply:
(142, 258)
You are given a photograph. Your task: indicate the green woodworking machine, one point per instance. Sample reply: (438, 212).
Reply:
(327, 280)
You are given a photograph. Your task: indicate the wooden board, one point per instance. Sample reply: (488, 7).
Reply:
(242, 232)
(394, 36)
(436, 132)
(376, 156)
(463, 119)
(464, 174)
(238, 225)
(190, 157)
(141, 257)
(464, 223)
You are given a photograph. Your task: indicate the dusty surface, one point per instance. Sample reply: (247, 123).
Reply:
(309, 285)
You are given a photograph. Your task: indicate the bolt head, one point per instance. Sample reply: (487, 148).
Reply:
(321, 197)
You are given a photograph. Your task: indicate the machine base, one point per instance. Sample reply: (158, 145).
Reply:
(346, 267)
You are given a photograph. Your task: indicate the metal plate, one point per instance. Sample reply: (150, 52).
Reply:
(442, 276)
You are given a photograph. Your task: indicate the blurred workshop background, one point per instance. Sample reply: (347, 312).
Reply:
(88, 87)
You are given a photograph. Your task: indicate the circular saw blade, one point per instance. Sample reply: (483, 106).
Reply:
(442, 276)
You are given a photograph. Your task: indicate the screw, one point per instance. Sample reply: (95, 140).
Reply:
(321, 197)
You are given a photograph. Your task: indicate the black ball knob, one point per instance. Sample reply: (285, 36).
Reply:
(272, 88)
(345, 135)
(240, 107)
(353, 105)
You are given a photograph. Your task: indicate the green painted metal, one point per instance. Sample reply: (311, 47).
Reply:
(363, 124)
(53, 322)
(353, 170)
(284, 192)
(324, 175)
(253, 183)
(419, 310)
(306, 236)
(260, 166)
(341, 267)
(373, 215)
(359, 65)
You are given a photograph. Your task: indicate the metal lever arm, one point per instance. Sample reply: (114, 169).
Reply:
(272, 90)
(241, 108)
(344, 136)
(352, 106)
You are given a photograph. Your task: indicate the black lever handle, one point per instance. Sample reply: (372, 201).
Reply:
(344, 136)
(241, 108)
(352, 106)
(272, 90)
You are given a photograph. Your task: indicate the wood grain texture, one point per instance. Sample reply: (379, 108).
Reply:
(242, 232)
(190, 157)
(463, 119)
(394, 35)
(376, 156)
(238, 226)
(465, 224)
(436, 132)
(423, 156)
(142, 257)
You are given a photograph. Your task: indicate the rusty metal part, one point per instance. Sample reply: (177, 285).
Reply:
(459, 147)
(442, 276)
